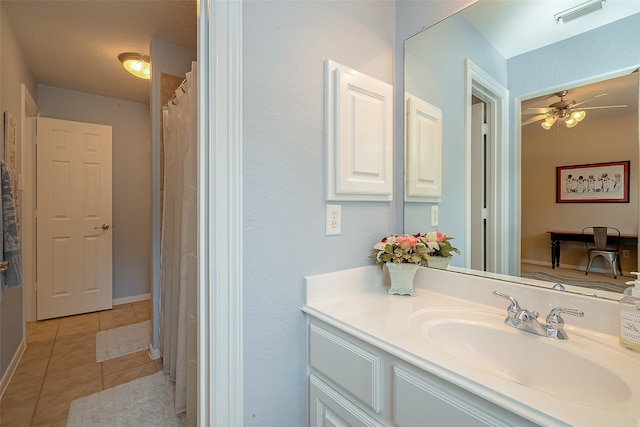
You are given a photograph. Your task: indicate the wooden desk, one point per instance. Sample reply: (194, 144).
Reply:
(557, 236)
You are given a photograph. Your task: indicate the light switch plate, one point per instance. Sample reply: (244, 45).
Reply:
(334, 220)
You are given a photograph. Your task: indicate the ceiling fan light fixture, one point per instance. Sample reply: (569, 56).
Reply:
(550, 120)
(137, 64)
(570, 122)
(578, 115)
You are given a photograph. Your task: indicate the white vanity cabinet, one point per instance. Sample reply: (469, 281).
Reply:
(354, 383)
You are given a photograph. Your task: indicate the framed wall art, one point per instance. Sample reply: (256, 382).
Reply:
(593, 183)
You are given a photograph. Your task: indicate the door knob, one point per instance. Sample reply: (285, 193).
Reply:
(102, 227)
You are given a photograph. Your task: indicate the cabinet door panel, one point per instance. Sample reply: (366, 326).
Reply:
(421, 399)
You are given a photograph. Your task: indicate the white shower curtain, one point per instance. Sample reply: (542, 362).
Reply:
(178, 266)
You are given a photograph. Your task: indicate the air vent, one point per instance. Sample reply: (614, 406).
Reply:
(579, 11)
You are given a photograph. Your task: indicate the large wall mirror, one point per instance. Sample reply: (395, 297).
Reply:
(496, 69)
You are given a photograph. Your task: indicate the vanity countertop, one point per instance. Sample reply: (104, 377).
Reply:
(356, 301)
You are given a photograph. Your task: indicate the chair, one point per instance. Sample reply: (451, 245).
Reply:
(601, 247)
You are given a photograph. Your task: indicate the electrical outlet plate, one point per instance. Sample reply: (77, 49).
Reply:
(434, 215)
(334, 220)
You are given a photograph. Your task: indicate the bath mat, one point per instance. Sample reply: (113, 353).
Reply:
(124, 340)
(147, 401)
(566, 280)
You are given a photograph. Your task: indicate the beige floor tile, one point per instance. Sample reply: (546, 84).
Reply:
(130, 375)
(55, 407)
(12, 415)
(42, 330)
(79, 329)
(60, 380)
(62, 361)
(142, 310)
(34, 361)
(71, 344)
(58, 423)
(120, 315)
(125, 363)
(59, 366)
(23, 387)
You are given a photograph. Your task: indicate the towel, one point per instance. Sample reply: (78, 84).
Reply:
(10, 243)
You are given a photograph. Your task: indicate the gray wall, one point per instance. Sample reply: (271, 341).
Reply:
(13, 72)
(284, 45)
(436, 73)
(131, 147)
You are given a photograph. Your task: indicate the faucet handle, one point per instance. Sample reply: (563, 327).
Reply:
(555, 323)
(554, 314)
(514, 307)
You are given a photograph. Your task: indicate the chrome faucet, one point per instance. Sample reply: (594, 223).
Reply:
(527, 321)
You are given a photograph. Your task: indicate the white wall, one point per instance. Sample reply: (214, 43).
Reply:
(284, 45)
(131, 177)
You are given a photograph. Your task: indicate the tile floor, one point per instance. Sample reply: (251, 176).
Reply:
(59, 366)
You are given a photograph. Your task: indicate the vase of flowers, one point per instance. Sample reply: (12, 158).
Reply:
(404, 254)
(440, 249)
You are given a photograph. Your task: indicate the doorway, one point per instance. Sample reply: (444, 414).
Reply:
(486, 202)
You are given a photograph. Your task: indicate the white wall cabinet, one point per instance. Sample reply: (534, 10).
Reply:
(359, 135)
(423, 151)
(352, 383)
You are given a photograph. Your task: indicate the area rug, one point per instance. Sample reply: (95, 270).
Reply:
(124, 340)
(574, 281)
(147, 401)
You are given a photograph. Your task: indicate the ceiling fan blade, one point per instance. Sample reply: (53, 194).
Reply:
(603, 106)
(534, 110)
(534, 119)
(587, 100)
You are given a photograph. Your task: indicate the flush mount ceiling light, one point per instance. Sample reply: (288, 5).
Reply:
(137, 64)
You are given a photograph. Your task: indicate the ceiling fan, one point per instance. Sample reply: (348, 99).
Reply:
(565, 111)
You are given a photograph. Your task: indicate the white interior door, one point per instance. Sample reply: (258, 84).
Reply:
(478, 189)
(73, 223)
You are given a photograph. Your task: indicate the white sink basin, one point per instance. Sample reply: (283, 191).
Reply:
(575, 369)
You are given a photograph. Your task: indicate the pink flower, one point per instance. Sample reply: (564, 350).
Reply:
(441, 237)
(406, 242)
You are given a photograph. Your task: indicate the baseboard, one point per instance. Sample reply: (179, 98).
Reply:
(11, 369)
(134, 298)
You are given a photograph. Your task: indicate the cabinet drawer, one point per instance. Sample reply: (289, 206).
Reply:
(346, 364)
(329, 408)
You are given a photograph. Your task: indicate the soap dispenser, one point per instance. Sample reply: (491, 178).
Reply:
(630, 315)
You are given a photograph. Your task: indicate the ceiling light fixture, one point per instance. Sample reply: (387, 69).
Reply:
(137, 64)
(570, 118)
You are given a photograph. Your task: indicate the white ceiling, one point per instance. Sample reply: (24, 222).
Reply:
(514, 27)
(74, 44)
